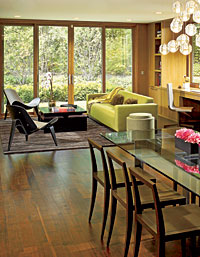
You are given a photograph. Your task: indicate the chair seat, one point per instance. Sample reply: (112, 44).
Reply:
(167, 196)
(40, 124)
(183, 109)
(177, 220)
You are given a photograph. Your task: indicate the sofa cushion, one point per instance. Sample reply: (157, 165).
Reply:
(141, 98)
(117, 99)
(131, 101)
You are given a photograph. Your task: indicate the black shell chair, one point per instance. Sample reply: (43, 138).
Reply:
(14, 99)
(26, 125)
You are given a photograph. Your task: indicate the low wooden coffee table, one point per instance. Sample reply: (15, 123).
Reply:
(70, 119)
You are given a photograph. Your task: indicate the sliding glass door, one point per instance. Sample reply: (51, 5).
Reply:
(53, 63)
(87, 62)
(118, 58)
(18, 60)
(73, 60)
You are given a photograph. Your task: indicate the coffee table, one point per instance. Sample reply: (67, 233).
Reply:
(69, 118)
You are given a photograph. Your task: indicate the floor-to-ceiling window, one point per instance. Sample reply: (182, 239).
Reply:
(53, 62)
(118, 58)
(81, 58)
(87, 62)
(18, 60)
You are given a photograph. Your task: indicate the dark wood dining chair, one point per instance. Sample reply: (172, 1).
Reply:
(100, 175)
(165, 224)
(123, 195)
(26, 125)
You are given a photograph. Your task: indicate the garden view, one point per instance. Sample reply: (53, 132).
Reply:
(53, 57)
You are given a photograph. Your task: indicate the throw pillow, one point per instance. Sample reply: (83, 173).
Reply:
(130, 101)
(117, 99)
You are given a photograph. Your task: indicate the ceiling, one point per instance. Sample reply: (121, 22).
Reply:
(140, 11)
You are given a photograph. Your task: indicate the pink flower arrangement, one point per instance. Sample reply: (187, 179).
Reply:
(186, 167)
(188, 135)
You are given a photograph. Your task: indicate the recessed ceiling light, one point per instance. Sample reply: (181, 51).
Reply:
(76, 18)
(17, 16)
(128, 20)
(158, 12)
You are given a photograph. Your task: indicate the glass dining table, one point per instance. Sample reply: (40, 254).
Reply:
(156, 148)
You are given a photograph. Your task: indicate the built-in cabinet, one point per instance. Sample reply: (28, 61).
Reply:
(164, 69)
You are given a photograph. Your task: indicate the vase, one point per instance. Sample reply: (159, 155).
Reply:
(52, 103)
(187, 147)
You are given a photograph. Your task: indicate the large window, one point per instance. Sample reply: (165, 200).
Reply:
(118, 58)
(18, 60)
(87, 61)
(53, 58)
(80, 58)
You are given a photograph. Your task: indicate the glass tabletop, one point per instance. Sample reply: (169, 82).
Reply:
(156, 148)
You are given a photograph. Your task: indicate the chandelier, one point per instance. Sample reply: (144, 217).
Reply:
(188, 10)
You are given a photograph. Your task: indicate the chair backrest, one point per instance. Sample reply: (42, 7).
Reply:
(170, 97)
(138, 207)
(93, 145)
(24, 121)
(12, 96)
(114, 183)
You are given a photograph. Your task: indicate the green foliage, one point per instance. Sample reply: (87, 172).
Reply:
(53, 57)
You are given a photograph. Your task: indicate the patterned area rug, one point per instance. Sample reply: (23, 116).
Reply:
(40, 141)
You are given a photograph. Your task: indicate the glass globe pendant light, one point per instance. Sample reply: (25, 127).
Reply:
(197, 41)
(163, 49)
(185, 49)
(196, 16)
(183, 38)
(176, 25)
(184, 15)
(173, 46)
(176, 7)
(191, 6)
(191, 30)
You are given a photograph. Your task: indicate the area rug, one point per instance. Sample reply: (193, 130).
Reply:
(40, 141)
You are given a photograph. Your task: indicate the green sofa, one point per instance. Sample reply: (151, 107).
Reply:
(114, 116)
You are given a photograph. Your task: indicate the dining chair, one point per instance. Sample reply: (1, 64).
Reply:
(26, 125)
(184, 112)
(100, 175)
(165, 224)
(13, 99)
(123, 195)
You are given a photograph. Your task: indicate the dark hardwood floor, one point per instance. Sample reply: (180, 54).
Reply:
(44, 204)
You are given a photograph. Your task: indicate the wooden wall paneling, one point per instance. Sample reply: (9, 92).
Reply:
(1, 67)
(140, 61)
(151, 52)
(173, 64)
(36, 60)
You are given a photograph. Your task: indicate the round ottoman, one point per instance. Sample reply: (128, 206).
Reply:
(140, 121)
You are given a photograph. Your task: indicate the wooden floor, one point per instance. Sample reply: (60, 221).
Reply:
(44, 204)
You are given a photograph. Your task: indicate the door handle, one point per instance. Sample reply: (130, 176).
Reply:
(72, 79)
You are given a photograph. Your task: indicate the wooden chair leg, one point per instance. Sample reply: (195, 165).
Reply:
(105, 212)
(112, 218)
(137, 238)
(6, 113)
(160, 247)
(129, 224)
(12, 132)
(94, 191)
(53, 135)
(183, 247)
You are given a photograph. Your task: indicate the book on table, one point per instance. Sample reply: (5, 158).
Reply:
(63, 109)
